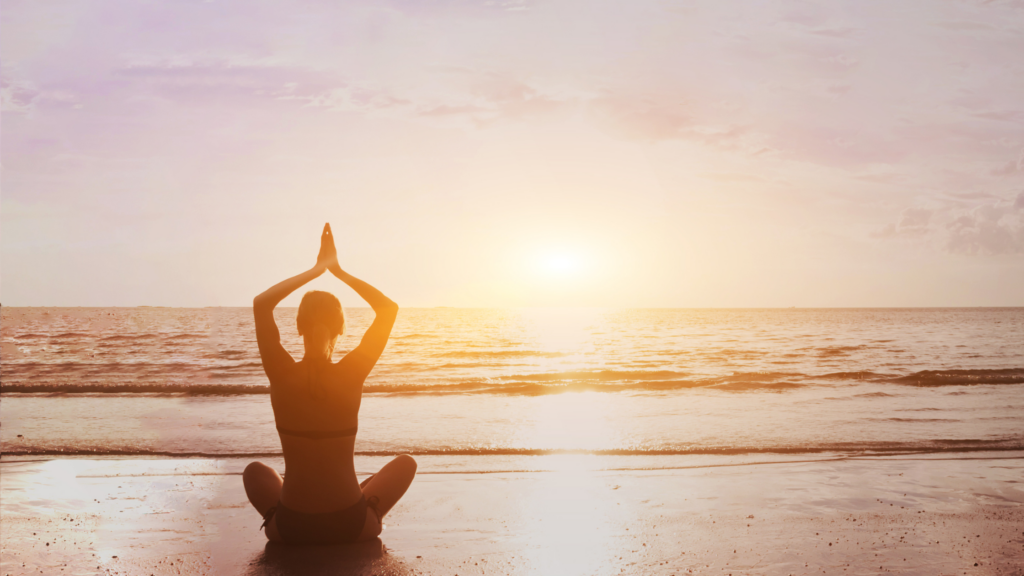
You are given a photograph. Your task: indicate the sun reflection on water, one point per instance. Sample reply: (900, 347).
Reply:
(581, 421)
(564, 330)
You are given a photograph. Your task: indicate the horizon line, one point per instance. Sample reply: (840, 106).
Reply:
(566, 307)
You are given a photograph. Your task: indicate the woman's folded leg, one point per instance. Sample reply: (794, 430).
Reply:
(385, 488)
(263, 487)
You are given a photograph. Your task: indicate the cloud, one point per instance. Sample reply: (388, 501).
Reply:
(998, 115)
(639, 119)
(482, 97)
(23, 97)
(461, 7)
(995, 228)
(485, 97)
(651, 120)
(964, 26)
(349, 99)
(17, 96)
(914, 220)
(827, 88)
(976, 224)
(834, 32)
(1011, 167)
(189, 80)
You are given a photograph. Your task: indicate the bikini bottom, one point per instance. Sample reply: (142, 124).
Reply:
(323, 528)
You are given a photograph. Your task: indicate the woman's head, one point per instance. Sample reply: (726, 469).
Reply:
(320, 321)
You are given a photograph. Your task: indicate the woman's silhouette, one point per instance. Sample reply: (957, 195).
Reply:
(316, 406)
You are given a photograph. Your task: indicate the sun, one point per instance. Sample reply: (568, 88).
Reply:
(561, 264)
(554, 273)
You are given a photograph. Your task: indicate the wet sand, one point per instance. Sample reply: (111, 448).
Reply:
(939, 514)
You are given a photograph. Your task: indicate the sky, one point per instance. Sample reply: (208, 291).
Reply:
(514, 153)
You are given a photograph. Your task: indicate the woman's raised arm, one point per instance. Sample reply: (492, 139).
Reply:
(268, 337)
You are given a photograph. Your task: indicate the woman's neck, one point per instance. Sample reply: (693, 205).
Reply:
(316, 351)
(316, 357)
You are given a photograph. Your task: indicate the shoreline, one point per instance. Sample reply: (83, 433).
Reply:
(923, 515)
(710, 459)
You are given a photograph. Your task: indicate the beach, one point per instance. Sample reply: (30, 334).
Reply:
(920, 514)
(653, 287)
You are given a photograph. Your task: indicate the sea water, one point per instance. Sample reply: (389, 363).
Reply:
(481, 389)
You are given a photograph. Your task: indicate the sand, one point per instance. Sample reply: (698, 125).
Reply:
(905, 515)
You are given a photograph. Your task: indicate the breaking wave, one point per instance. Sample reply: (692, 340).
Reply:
(515, 385)
(844, 448)
(962, 377)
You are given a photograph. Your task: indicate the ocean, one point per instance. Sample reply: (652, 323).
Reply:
(509, 389)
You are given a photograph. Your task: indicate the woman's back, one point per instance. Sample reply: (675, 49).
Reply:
(316, 409)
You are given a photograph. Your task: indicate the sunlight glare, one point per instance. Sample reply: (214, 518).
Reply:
(575, 525)
(573, 421)
(562, 263)
(565, 330)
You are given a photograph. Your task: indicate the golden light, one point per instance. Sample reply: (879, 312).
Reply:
(562, 263)
(553, 270)
(564, 330)
(573, 421)
(573, 522)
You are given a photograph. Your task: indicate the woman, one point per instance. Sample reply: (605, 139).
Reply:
(316, 406)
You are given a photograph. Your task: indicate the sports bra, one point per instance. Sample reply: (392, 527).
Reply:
(319, 434)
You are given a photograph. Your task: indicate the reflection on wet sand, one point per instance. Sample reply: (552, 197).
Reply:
(571, 521)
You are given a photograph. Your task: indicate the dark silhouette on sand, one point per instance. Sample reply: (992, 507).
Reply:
(316, 408)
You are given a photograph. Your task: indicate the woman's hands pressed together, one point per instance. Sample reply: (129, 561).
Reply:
(327, 259)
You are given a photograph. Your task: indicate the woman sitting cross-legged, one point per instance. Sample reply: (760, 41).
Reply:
(316, 407)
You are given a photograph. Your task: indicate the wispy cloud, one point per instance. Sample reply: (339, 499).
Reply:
(17, 96)
(974, 224)
(22, 96)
